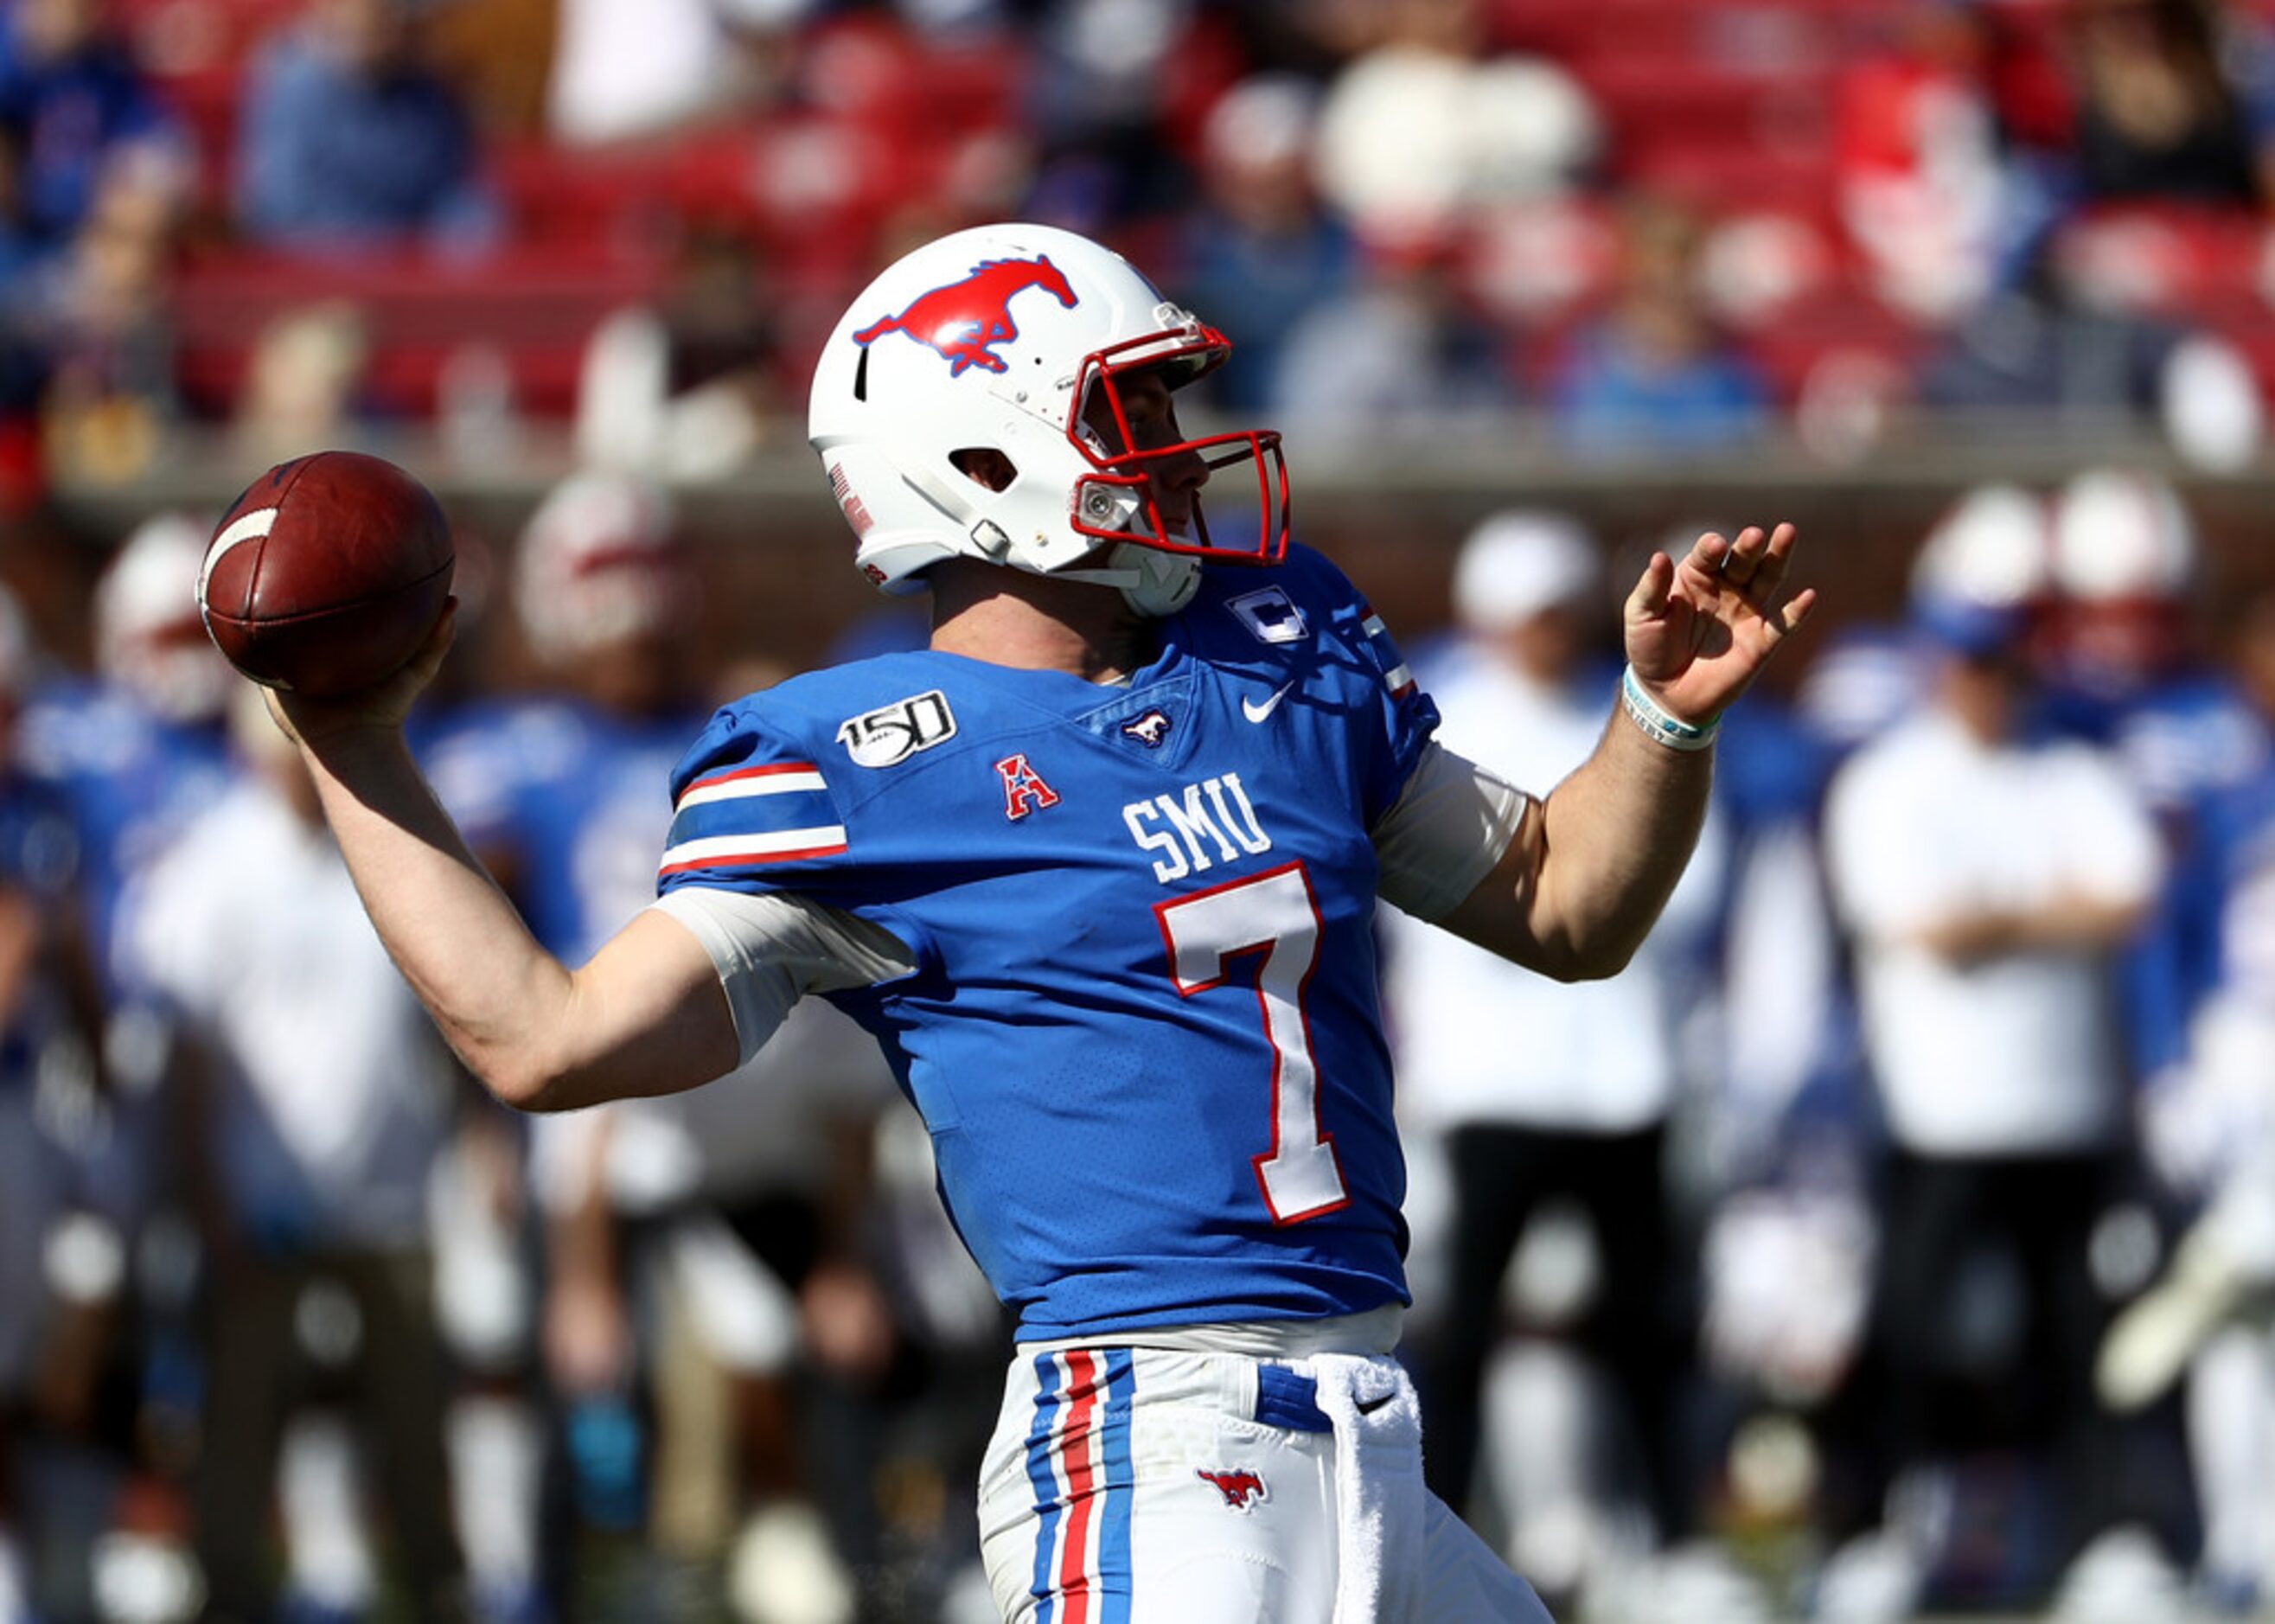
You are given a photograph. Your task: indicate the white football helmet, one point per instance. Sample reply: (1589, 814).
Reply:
(599, 560)
(2119, 535)
(1989, 547)
(150, 638)
(1001, 338)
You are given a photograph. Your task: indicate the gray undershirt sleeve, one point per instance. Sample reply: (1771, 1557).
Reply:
(772, 949)
(1445, 834)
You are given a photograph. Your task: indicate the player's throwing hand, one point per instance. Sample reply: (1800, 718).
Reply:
(1698, 631)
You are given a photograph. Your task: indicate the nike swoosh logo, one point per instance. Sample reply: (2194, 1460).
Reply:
(1258, 710)
(1367, 1407)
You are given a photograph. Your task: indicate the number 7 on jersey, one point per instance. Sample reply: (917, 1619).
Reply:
(1274, 914)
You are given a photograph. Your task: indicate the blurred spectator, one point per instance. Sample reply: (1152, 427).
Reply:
(87, 118)
(1261, 253)
(1987, 877)
(1098, 92)
(1923, 187)
(1652, 372)
(500, 53)
(319, 1100)
(1423, 127)
(1576, 1113)
(1401, 355)
(349, 138)
(2215, 1141)
(628, 69)
(2037, 351)
(303, 383)
(685, 387)
(2158, 117)
(108, 347)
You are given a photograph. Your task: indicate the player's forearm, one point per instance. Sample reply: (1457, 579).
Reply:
(500, 1000)
(2073, 921)
(1617, 835)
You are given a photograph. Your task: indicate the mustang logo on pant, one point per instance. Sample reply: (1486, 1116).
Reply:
(1243, 1490)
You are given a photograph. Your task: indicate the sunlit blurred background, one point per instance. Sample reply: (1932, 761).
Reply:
(1898, 1235)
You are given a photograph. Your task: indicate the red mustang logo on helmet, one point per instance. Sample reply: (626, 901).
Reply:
(964, 320)
(1242, 1489)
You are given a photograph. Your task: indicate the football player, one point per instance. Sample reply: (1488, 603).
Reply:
(1098, 871)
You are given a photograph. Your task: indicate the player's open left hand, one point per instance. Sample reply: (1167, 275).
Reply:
(313, 722)
(1696, 631)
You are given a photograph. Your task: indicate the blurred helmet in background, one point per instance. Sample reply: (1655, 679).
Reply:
(1522, 563)
(600, 562)
(1982, 575)
(2124, 562)
(2121, 535)
(150, 638)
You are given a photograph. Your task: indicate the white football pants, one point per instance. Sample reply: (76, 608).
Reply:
(1142, 1486)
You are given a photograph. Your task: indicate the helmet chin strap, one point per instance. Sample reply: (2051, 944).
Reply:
(1151, 582)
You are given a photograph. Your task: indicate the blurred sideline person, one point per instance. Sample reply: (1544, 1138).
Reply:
(1095, 867)
(1576, 1113)
(321, 1102)
(695, 1241)
(349, 138)
(2129, 672)
(2212, 1124)
(60, 1267)
(1987, 877)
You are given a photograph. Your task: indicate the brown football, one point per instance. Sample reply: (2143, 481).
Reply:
(327, 574)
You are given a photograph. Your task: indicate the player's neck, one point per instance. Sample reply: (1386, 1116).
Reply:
(1031, 622)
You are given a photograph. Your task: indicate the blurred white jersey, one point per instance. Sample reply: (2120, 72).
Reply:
(2016, 1051)
(332, 1098)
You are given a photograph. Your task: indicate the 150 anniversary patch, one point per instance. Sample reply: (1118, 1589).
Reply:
(897, 732)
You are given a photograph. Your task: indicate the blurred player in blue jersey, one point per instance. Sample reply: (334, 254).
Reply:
(1098, 871)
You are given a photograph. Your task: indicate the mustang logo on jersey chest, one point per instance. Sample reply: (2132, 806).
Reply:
(1149, 729)
(898, 731)
(1193, 830)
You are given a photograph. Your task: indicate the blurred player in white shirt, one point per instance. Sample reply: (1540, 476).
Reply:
(322, 1102)
(1987, 876)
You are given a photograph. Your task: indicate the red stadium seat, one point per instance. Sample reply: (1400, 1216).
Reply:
(538, 307)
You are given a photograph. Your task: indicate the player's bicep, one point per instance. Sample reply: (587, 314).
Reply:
(647, 1014)
(1500, 912)
(1447, 843)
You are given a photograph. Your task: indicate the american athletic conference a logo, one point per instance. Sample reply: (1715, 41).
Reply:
(965, 319)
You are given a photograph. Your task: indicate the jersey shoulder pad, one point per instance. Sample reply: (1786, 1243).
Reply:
(749, 799)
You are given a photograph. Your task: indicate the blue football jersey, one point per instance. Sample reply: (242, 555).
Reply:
(1143, 1028)
(570, 793)
(131, 780)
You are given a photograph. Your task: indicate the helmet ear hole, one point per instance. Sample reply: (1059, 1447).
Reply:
(985, 465)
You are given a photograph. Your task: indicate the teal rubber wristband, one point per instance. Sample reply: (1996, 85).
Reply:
(1660, 727)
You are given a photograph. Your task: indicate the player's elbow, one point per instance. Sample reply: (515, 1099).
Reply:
(1602, 960)
(527, 1076)
(1576, 961)
(525, 1085)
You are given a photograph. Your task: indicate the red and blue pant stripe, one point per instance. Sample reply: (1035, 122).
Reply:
(1078, 1461)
